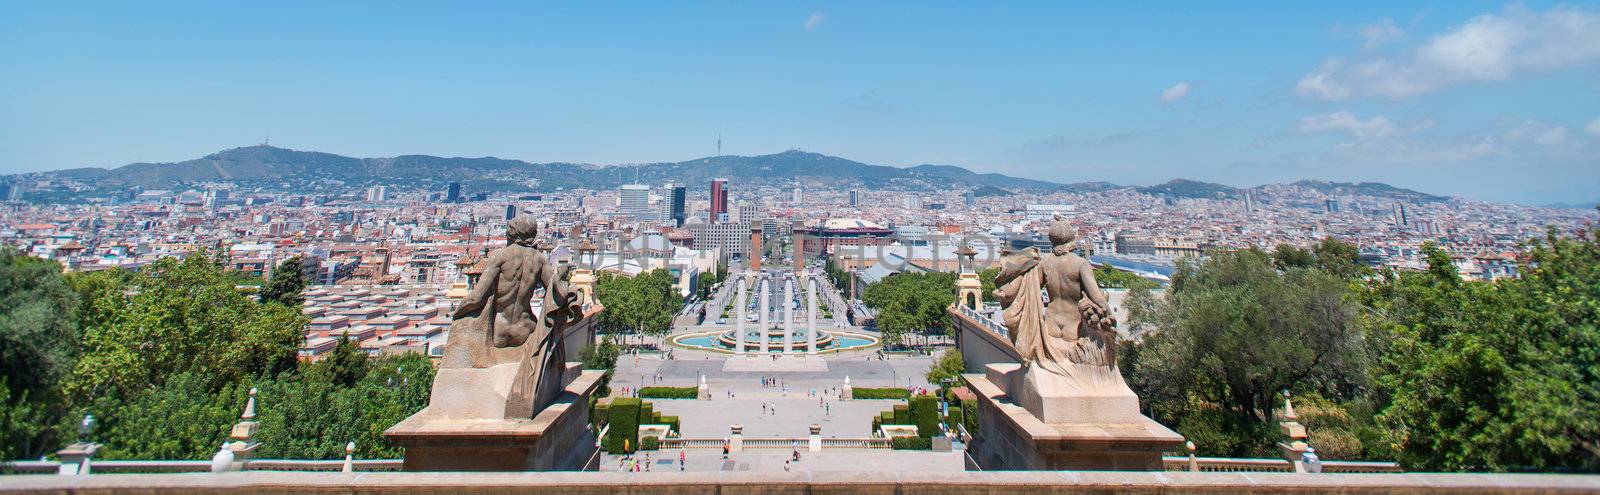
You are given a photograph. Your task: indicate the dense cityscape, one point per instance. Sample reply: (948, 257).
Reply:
(840, 247)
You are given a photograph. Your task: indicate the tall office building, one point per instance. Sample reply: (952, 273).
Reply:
(799, 195)
(677, 196)
(635, 199)
(1331, 204)
(377, 194)
(453, 193)
(719, 200)
(1249, 202)
(1400, 217)
(969, 199)
(855, 198)
(511, 212)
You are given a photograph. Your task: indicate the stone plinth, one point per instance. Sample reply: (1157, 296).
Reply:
(558, 438)
(1012, 438)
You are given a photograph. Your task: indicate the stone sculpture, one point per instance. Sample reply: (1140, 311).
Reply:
(1068, 344)
(497, 325)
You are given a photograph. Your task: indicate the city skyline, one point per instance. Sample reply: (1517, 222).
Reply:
(1484, 100)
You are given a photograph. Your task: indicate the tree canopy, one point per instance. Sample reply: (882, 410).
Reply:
(912, 303)
(645, 304)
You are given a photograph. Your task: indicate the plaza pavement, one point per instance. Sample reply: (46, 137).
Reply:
(876, 460)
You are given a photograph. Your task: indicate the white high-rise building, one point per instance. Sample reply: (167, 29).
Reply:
(634, 200)
(377, 194)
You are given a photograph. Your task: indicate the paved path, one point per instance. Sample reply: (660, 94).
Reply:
(875, 460)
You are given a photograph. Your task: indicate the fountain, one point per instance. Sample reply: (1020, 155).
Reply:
(755, 332)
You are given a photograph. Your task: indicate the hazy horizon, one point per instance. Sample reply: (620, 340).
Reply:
(1486, 100)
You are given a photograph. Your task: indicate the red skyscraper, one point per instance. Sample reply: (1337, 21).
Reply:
(719, 200)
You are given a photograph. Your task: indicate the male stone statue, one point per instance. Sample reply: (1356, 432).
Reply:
(1068, 345)
(496, 324)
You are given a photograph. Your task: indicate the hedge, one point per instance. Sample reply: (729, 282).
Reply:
(670, 421)
(600, 414)
(623, 437)
(911, 443)
(956, 417)
(669, 392)
(924, 412)
(880, 393)
(649, 443)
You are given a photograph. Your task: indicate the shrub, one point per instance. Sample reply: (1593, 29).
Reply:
(924, 412)
(669, 421)
(862, 393)
(957, 416)
(600, 414)
(970, 417)
(902, 415)
(623, 437)
(911, 443)
(649, 443)
(669, 393)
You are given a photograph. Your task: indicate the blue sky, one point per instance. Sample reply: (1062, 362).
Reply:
(1483, 99)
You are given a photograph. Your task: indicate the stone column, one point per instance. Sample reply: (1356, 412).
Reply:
(815, 440)
(762, 306)
(788, 316)
(811, 315)
(738, 326)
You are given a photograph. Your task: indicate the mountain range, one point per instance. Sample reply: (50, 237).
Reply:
(272, 167)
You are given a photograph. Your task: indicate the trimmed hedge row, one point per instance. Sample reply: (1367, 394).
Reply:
(911, 443)
(924, 412)
(880, 393)
(649, 443)
(624, 415)
(623, 437)
(669, 393)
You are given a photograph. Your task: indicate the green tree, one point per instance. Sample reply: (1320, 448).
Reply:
(643, 304)
(949, 366)
(1234, 331)
(286, 284)
(176, 316)
(1496, 376)
(346, 363)
(38, 343)
(910, 303)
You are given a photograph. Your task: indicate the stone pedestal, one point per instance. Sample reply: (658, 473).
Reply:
(736, 438)
(1028, 422)
(75, 459)
(458, 431)
(814, 441)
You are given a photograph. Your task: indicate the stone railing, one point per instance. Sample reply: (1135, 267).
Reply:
(185, 466)
(1246, 465)
(582, 333)
(776, 443)
(863, 480)
(983, 341)
(691, 443)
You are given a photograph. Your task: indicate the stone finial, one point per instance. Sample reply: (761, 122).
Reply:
(1288, 407)
(250, 406)
(1194, 465)
(349, 458)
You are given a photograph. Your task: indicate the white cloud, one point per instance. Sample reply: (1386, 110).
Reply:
(1344, 121)
(1378, 34)
(815, 20)
(1489, 47)
(1175, 93)
(1593, 128)
(1538, 133)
